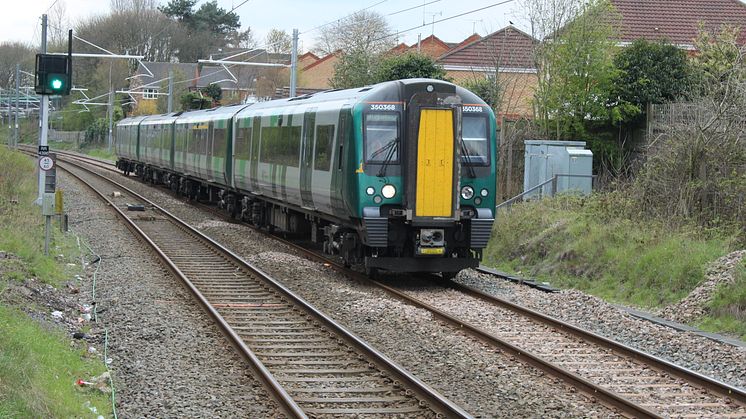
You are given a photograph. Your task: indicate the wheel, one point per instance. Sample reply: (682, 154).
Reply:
(372, 273)
(448, 275)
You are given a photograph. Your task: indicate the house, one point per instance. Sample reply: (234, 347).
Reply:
(317, 74)
(432, 46)
(236, 81)
(677, 21)
(506, 56)
(151, 78)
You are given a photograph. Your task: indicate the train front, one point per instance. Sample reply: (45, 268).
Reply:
(426, 177)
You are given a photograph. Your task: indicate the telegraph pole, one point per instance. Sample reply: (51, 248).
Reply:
(18, 93)
(43, 111)
(294, 64)
(111, 107)
(170, 90)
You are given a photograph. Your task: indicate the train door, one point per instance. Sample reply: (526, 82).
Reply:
(306, 164)
(436, 163)
(339, 169)
(256, 137)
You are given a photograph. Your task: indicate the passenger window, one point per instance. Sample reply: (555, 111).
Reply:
(243, 136)
(219, 142)
(381, 137)
(476, 141)
(324, 138)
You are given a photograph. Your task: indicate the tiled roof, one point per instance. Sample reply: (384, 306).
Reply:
(245, 76)
(160, 71)
(677, 21)
(508, 48)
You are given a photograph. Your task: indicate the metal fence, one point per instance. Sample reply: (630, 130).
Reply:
(541, 190)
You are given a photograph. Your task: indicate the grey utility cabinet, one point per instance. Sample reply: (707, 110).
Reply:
(568, 160)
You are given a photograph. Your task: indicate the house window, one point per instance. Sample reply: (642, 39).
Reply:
(150, 94)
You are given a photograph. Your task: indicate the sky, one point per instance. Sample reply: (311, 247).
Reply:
(20, 19)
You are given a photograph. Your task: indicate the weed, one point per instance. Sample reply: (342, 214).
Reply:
(574, 242)
(38, 372)
(728, 306)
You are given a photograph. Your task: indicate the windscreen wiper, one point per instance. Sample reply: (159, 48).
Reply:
(389, 156)
(465, 153)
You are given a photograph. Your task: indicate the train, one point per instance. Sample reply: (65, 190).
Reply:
(398, 176)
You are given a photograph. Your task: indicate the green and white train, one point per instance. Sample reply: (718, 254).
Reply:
(399, 176)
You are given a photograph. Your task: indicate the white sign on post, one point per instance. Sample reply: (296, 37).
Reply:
(46, 163)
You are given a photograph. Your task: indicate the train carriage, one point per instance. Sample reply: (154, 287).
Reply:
(156, 148)
(202, 141)
(399, 176)
(127, 135)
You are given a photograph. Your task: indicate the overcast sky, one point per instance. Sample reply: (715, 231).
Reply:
(20, 19)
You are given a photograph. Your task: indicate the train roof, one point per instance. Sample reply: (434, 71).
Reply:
(132, 120)
(221, 112)
(349, 95)
(388, 89)
(156, 119)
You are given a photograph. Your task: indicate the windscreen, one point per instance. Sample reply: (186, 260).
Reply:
(381, 136)
(475, 134)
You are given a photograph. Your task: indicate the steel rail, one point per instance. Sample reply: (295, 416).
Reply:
(605, 396)
(425, 392)
(709, 383)
(281, 396)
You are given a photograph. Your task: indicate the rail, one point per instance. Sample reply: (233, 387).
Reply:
(540, 187)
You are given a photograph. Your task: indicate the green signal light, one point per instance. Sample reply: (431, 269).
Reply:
(56, 84)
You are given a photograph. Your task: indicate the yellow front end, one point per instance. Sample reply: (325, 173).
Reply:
(435, 164)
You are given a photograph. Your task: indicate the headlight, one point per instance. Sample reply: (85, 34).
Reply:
(484, 192)
(467, 192)
(370, 190)
(388, 191)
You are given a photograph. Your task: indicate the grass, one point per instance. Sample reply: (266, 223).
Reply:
(579, 243)
(38, 367)
(22, 231)
(38, 371)
(728, 307)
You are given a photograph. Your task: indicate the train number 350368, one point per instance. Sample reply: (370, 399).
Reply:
(382, 107)
(473, 109)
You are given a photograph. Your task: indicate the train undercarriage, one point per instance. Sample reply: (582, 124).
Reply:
(382, 241)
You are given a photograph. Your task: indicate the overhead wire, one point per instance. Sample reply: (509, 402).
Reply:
(500, 3)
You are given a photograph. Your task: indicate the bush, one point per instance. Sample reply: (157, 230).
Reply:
(592, 244)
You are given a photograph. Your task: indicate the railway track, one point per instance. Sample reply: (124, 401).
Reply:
(636, 383)
(312, 366)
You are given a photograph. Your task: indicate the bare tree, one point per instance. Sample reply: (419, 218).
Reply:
(696, 162)
(137, 6)
(59, 24)
(279, 42)
(12, 53)
(365, 32)
(243, 39)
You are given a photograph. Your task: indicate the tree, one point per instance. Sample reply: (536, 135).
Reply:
(204, 30)
(719, 57)
(194, 100)
(242, 39)
(407, 66)
(354, 69)
(279, 42)
(651, 72)
(214, 92)
(576, 72)
(365, 32)
(12, 53)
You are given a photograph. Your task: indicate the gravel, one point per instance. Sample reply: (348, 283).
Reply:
(694, 305)
(719, 360)
(484, 381)
(167, 358)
